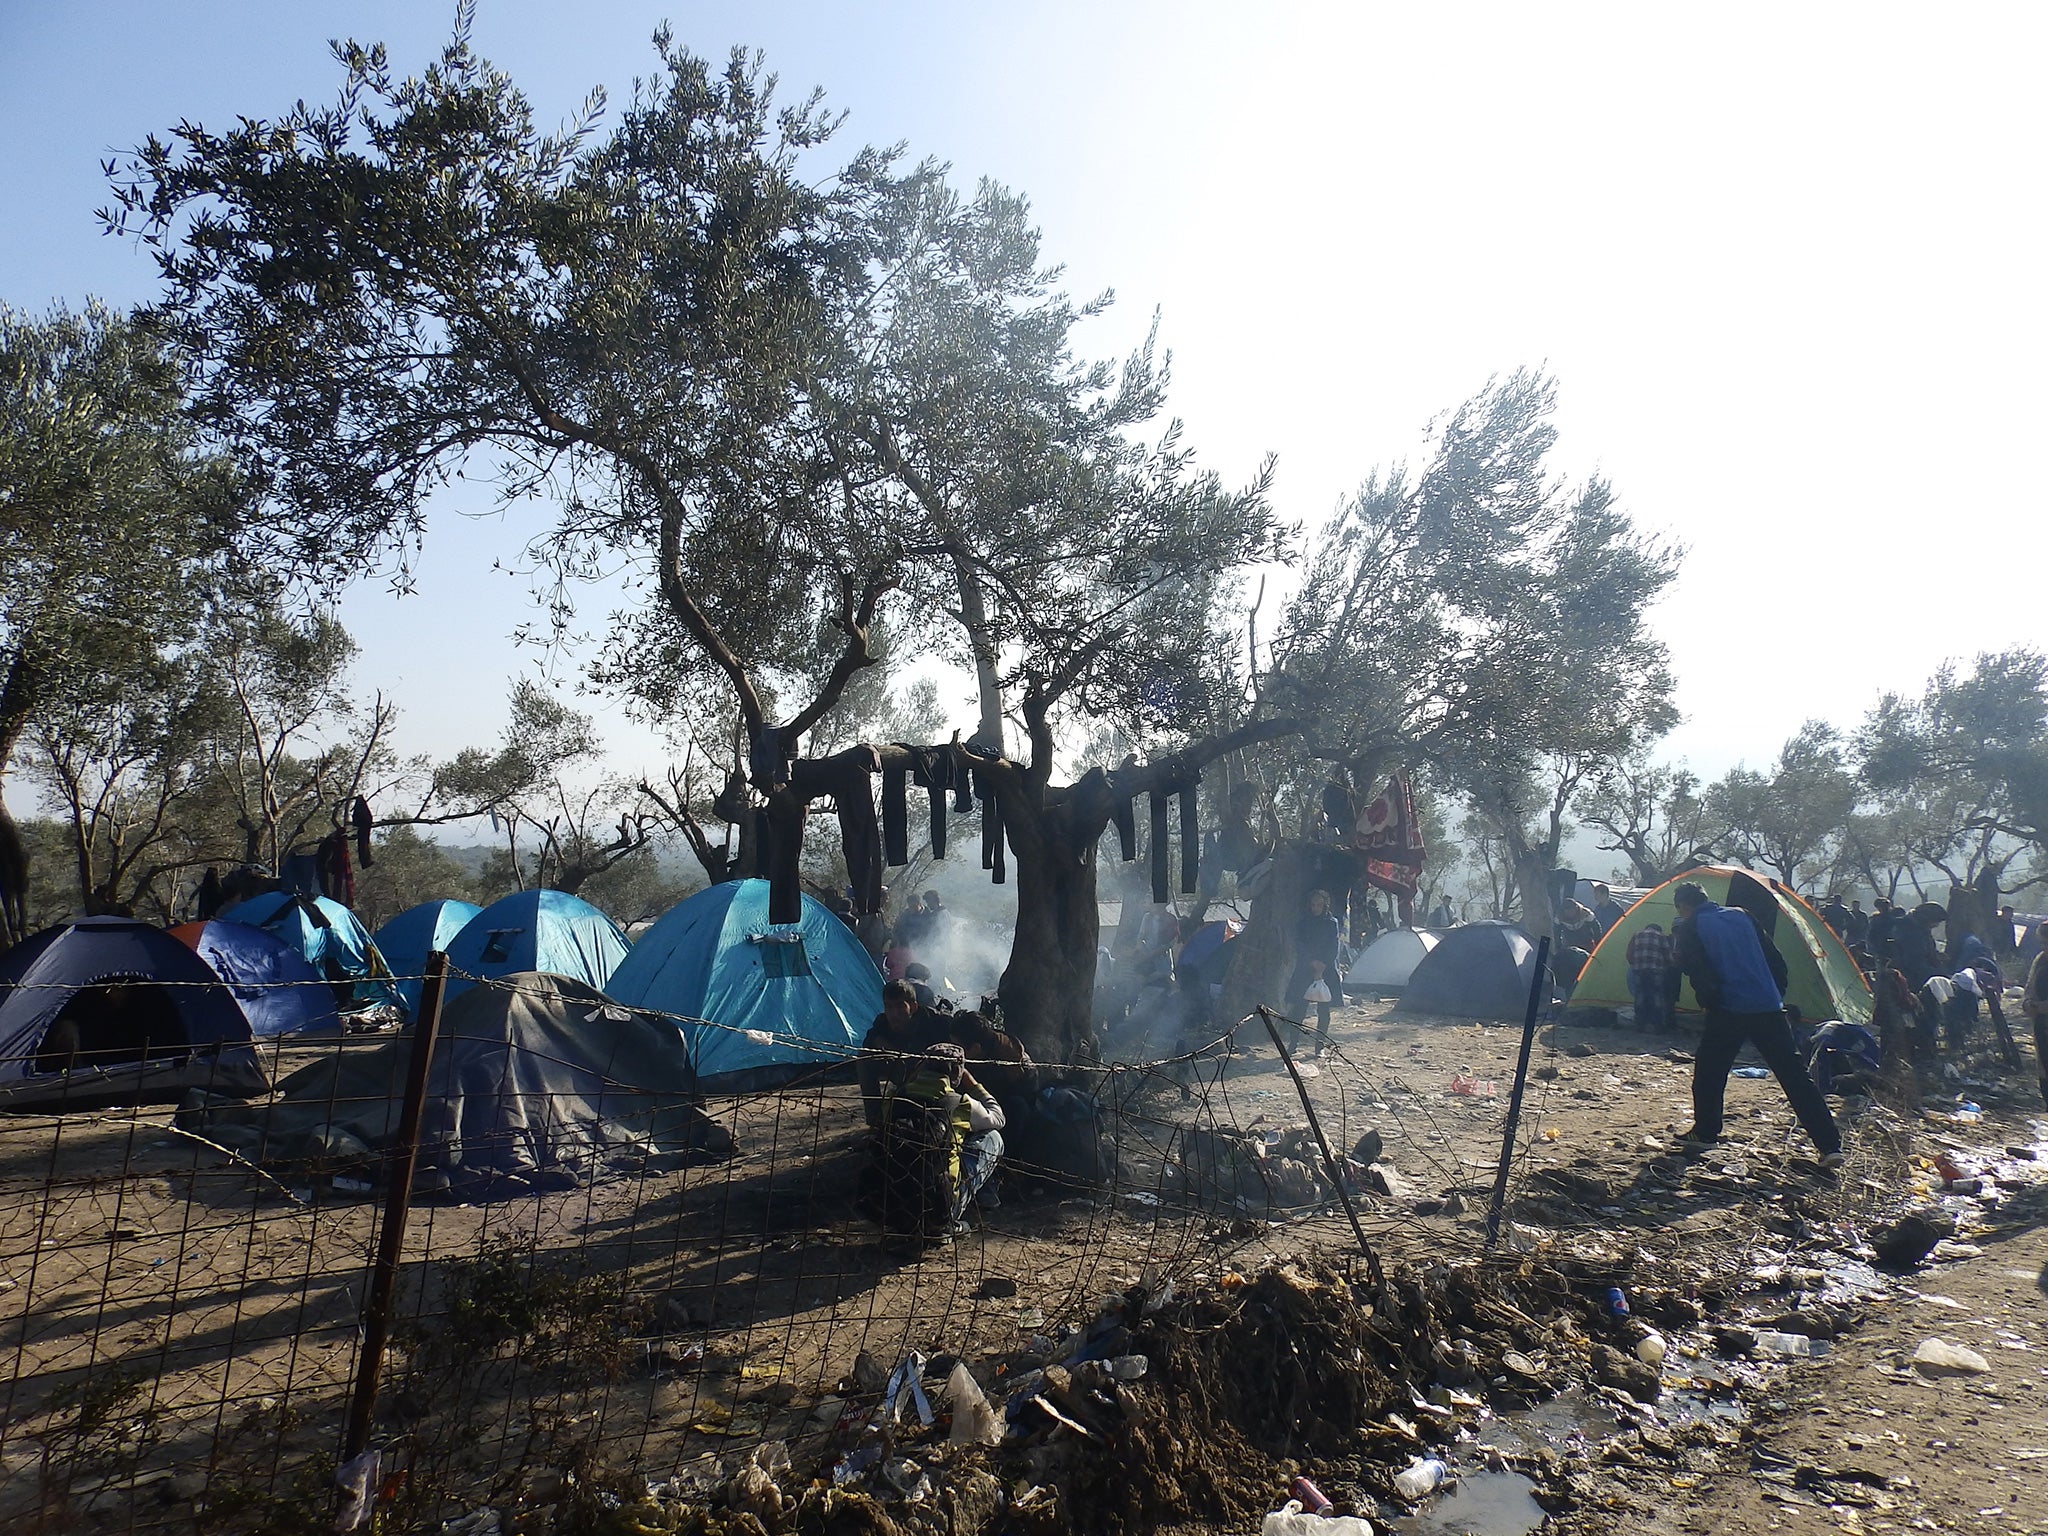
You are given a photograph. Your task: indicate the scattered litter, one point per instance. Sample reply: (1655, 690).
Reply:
(1471, 1087)
(1291, 1520)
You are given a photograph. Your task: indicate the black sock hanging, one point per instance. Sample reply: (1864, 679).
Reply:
(1161, 890)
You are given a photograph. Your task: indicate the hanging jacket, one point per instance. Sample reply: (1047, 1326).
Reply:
(932, 770)
(1126, 823)
(768, 755)
(359, 816)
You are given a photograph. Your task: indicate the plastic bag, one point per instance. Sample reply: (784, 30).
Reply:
(1318, 992)
(1289, 1520)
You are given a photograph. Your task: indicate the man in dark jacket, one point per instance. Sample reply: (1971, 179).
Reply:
(1912, 947)
(1739, 978)
(1315, 965)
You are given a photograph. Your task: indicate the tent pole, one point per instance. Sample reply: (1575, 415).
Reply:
(1507, 1140)
(398, 1169)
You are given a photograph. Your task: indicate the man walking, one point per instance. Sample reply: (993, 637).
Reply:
(1739, 978)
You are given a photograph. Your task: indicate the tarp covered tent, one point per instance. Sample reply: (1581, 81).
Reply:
(277, 991)
(407, 940)
(1476, 971)
(110, 1010)
(780, 999)
(537, 930)
(1823, 982)
(330, 937)
(536, 1082)
(1389, 960)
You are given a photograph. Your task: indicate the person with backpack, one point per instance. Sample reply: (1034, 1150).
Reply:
(1739, 977)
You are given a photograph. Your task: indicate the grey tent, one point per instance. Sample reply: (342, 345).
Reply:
(537, 1081)
(1390, 960)
(1476, 971)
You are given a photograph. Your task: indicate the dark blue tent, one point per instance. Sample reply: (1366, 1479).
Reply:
(548, 931)
(108, 1009)
(775, 999)
(1476, 971)
(330, 937)
(407, 940)
(279, 993)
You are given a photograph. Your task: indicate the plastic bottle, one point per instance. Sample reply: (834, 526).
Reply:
(1420, 1478)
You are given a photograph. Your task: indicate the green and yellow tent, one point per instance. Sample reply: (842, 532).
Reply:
(1824, 981)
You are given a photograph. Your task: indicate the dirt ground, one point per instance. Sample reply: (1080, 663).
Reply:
(225, 1306)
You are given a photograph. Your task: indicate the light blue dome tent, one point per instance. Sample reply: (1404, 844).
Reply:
(407, 940)
(332, 939)
(777, 1000)
(537, 930)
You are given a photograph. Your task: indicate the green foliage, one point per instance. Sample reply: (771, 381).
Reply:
(1785, 820)
(1486, 621)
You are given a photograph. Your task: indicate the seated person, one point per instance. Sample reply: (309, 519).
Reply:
(919, 975)
(972, 1139)
(901, 1034)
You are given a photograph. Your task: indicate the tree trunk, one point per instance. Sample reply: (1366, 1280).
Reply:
(1048, 987)
(988, 682)
(1265, 949)
(1532, 874)
(1968, 912)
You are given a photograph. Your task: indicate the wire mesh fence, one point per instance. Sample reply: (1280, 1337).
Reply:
(611, 1280)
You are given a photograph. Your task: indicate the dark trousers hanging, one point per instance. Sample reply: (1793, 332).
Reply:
(1190, 839)
(863, 840)
(784, 858)
(895, 817)
(1126, 826)
(1162, 891)
(991, 829)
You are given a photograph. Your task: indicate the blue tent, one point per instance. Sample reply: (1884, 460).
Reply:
(548, 931)
(108, 1008)
(332, 939)
(777, 999)
(407, 940)
(279, 993)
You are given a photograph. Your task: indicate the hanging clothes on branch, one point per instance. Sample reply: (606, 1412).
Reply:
(847, 777)
(1126, 822)
(1162, 889)
(1190, 835)
(768, 754)
(895, 817)
(1390, 842)
(991, 826)
(782, 860)
(360, 818)
(932, 769)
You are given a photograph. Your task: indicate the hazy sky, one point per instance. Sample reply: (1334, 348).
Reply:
(1786, 263)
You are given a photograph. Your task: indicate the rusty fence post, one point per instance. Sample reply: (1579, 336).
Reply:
(399, 1166)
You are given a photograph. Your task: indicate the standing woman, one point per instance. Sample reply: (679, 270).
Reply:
(1314, 982)
(2034, 1004)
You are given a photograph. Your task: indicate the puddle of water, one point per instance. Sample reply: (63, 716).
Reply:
(1695, 1407)
(1548, 1425)
(1478, 1504)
